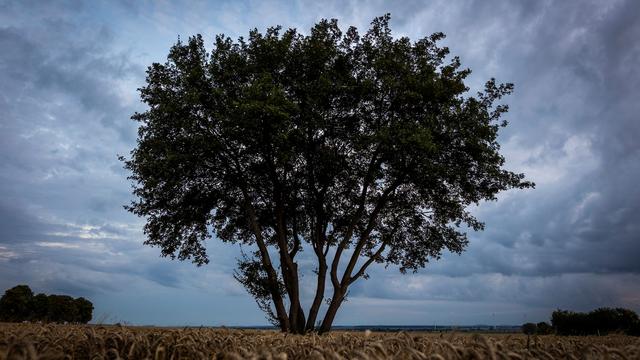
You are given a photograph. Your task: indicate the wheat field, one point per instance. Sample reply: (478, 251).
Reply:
(34, 341)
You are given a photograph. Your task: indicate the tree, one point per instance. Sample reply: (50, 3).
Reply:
(361, 149)
(61, 309)
(529, 328)
(15, 304)
(601, 321)
(19, 304)
(40, 307)
(543, 328)
(84, 310)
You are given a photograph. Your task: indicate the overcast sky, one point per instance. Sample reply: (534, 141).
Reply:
(68, 78)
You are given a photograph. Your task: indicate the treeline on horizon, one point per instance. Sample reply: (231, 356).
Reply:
(20, 304)
(601, 321)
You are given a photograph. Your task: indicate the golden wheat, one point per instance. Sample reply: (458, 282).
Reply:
(33, 341)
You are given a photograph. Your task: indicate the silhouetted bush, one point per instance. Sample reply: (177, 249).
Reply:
(19, 304)
(61, 309)
(84, 310)
(569, 322)
(600, 321)
(39, 307)
(543, 328)
(634, 329)
(529, 328)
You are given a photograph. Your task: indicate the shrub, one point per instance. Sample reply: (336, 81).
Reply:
(634, 329)
(543, 328)
(529, 328)
(601, 321)
(39, 307)
(84, 310)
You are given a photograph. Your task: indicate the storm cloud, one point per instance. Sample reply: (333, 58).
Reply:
(68, 78)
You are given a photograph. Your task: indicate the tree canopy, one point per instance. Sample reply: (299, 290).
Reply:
(19, 304)
(601, 321)
(15, 304)
(359, 148)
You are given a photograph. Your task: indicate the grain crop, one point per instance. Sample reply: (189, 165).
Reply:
(37, 341)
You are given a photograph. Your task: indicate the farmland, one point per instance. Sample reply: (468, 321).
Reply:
(34, 341)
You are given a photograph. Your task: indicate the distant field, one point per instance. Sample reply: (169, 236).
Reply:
(31, 341)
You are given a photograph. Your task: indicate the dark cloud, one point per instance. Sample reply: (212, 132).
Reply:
(573, 128)
(63, 120)
(16, 226)
(574, 291)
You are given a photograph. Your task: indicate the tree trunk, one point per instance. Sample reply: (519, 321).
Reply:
(336, 301)
(266, 262)
(301, 321)
(296, 314)
(289, 271)
(317, 300)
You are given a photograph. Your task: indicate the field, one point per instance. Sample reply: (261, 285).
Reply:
(32, 341)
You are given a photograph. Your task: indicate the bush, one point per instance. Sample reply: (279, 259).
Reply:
(85, 310)
(39, 307)
(543, 328)
(18, 304)
(569, 322)
(529, 328)
(61, 309)
(601, 321)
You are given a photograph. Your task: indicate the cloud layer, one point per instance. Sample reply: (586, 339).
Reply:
(68, 78)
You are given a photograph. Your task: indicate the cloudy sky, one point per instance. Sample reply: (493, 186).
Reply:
(68, 78)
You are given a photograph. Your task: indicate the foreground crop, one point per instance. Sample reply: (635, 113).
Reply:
(30, 341)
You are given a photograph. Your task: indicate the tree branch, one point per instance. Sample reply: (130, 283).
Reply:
(296, 242)
(359, 212)
(382, 201)
(364, 267)
(266, 262)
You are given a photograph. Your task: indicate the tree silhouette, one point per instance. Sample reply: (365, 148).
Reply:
(361, 149)
(40, 307)
(18, 304)
(84, 310)
(601, 321)
(15, 304)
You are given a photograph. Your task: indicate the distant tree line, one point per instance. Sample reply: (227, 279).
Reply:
(20, 304)
(541, 328)
(601, 321)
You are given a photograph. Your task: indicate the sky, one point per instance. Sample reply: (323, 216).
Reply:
(68, 78)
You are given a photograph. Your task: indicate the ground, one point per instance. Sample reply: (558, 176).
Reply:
(36, 341)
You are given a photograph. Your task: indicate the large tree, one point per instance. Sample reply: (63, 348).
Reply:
(15, 304)
(362, 149)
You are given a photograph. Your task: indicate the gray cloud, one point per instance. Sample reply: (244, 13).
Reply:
(68, 74)
(573, 124)
(65, 100)
(573, 291)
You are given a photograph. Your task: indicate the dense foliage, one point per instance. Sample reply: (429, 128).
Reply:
(600, 321)
(529, 328)
(19, 304)
(541, 328)
(366, 149)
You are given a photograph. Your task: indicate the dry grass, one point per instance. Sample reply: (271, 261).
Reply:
(27, 341)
